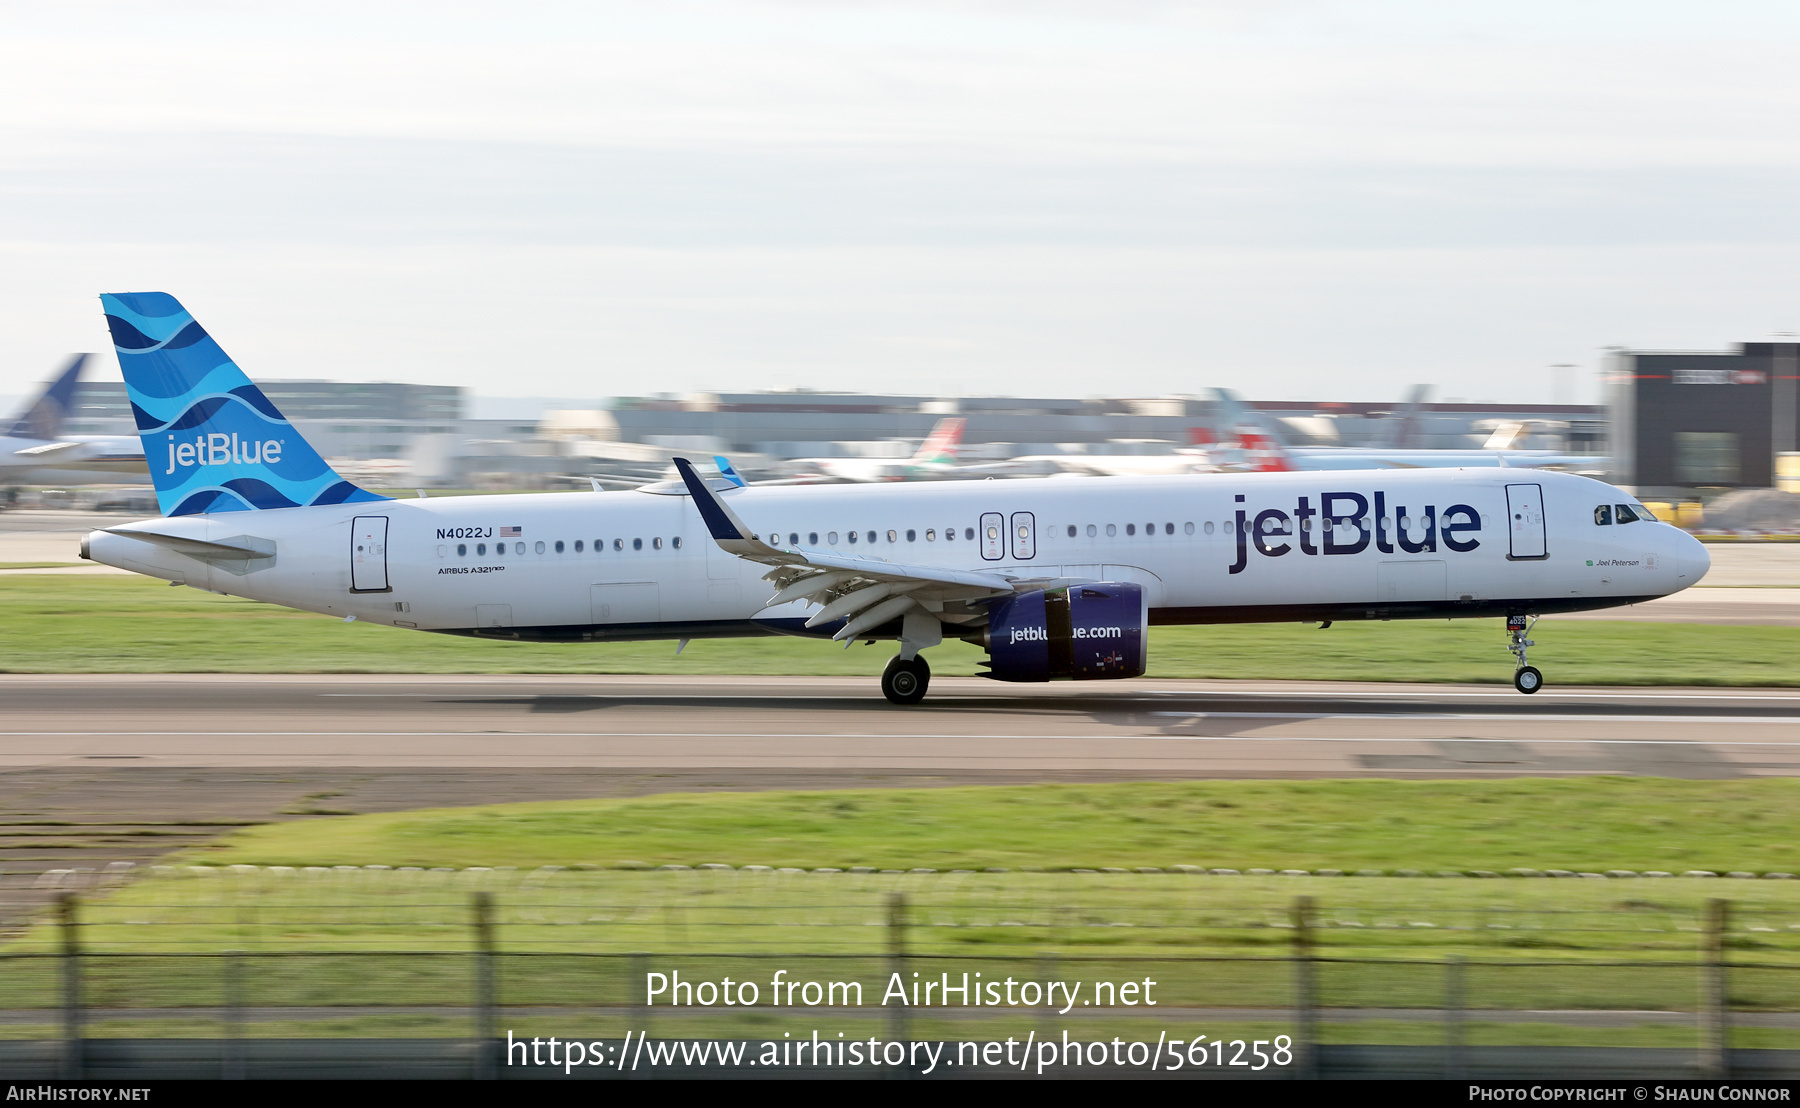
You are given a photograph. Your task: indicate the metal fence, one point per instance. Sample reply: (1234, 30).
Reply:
(76, 1011)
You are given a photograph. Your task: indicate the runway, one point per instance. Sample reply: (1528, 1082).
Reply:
(715, 724)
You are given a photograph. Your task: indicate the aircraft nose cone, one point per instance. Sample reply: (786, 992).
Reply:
(1694, 560)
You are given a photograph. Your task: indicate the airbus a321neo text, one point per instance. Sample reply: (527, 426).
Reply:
(1053, 578)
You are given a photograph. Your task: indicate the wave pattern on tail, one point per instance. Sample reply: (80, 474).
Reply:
(215, 443)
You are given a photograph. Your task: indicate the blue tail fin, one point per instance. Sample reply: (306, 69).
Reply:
(213, 440)
(43, 417)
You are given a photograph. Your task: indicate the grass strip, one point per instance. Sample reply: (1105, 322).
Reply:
(1593, 823)
(148, 627)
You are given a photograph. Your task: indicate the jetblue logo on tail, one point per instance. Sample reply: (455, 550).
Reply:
(224, 446)
(220, 449)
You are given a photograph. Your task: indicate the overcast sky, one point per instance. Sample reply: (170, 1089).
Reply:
(1296, 199)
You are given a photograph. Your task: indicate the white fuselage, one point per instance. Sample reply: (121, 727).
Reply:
(637, 565)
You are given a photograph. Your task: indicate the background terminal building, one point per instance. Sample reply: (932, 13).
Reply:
(1685, 422)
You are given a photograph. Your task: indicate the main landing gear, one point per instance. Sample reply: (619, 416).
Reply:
(905, 680)
(1526, 678)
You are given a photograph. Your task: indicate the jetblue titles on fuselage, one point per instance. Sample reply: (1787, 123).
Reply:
(1339, 512)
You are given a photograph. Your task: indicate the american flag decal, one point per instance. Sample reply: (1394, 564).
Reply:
(512, 532)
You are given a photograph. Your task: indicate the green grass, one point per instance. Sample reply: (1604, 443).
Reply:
(49, 565)
(1637, 823)
(357, 936)
(133, 625)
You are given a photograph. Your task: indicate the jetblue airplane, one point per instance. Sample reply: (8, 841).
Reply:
(1055, 579)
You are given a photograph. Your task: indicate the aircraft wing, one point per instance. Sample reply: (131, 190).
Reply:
(864, 592)
(48, 448)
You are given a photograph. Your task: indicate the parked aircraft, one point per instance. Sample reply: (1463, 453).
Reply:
(934, 460)
(1054, 579)
(33, 451)
(1259, 437)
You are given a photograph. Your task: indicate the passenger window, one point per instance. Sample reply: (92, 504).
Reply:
(793, 538)
(540, 546)
(774, 539)
(481, 549)
(1090, 530)
(853, 536)
(656, 543)
(499, 549)
(578, 547)
(812, 538)
(1228, 527)
(912, 536)
(969, 533)
(462, 550)
(1149, 529)
(618, 544)
(871, 536)
(637, 544)
(1071, 530)
(1169, 528)
(443, 550)
(1131, 528)
(1111, 530)
(518, 548)
(676, 542)
(1624, 514)
(1209, 527)
(893, 536)
(949, 534)
(831, 539)
(931, 534)
(1603, 515)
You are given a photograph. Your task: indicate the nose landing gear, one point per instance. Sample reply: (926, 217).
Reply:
(1526, 678)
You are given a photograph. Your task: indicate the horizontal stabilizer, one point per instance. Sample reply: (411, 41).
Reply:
(239, 546)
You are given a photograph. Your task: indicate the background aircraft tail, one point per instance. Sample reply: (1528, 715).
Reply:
(213, 440)
(940, 446)
(43, 417)
(1264, 452)
(1401, 429)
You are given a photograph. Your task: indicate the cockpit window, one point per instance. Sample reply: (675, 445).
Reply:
(1624, 514)
(1603, 515)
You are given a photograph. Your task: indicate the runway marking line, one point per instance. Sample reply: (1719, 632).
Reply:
(1107, 737)
(586, 691)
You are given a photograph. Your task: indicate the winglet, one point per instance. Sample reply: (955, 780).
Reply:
(728, 471)
(731, 533)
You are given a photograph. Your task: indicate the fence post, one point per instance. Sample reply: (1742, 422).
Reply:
(1714, 1029)
(896, 937)
(1306, 992)
(1455, 1012)
(231, 1059)
(638, 988)
(485, 1040)
(73, 1050)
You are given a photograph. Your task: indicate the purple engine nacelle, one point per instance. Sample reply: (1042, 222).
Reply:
(1083, 633)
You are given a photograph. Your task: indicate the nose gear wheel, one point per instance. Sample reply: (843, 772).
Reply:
(1526, 678)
